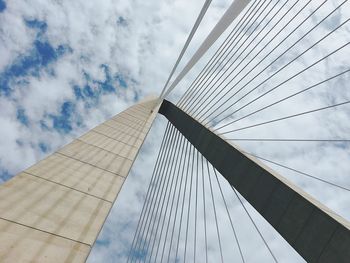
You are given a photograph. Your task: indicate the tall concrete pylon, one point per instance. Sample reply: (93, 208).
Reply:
(316, 232)
(54, 210)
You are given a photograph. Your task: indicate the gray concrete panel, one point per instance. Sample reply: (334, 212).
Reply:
(312, 229)
(54, 210)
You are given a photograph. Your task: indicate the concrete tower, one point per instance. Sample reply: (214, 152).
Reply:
(54, 210)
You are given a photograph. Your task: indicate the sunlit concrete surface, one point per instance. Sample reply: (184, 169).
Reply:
(54, 210)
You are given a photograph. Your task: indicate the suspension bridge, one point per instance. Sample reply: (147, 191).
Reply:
(274, 63)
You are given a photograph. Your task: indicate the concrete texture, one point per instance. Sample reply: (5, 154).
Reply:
(54, 210)
(312, 229)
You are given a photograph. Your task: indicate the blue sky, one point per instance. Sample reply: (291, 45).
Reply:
(66, 67)
(2, 6)
(39, 60)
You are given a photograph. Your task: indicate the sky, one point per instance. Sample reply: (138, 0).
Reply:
(67, 66)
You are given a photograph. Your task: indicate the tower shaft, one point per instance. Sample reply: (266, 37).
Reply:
(54, 210)
(312, 229)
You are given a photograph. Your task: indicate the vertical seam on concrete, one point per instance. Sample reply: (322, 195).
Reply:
(301, 231)
(285, 211)
(327, 243)
(305, 224)
(275, 187)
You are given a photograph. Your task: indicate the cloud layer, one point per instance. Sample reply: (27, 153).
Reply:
(65, 67)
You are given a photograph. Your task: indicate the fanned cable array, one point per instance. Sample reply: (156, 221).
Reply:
(282, 61)
(277, 87)
(186, 215)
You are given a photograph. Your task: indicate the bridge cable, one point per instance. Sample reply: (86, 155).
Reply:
(255, 225)
(150, 213)
(241, 31)
(162, 199)
(203, 95)
(229, 216)
(287, 117)
(196, 208)
(204, 210)
(189, 203)
(228, 17)
(193, 31)
(281, 30)
(183, 201)
(151, 190)
(178, 199)
(198, 111)
(288, 140)
(284, 99)
(171, 197)
(279, 70)
(216, 57)
(300, 172)
(283, 82)
(214, 209)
